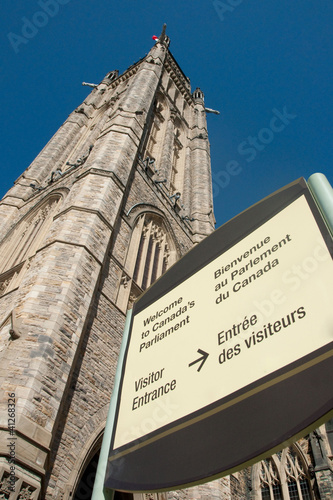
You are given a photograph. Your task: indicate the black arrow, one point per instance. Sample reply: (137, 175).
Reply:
(203, 357)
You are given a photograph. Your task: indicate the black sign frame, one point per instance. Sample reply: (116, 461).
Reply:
(208, 443)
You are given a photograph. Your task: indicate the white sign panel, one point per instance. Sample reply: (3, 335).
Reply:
(258, 307)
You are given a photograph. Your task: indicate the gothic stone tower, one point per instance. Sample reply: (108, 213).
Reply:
(120, 193)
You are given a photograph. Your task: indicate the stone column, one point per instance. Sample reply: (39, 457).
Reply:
(202, 198)
(323, 471)
(167, 149)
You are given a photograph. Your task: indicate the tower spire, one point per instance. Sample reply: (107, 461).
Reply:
(163, 33)
(163, 38)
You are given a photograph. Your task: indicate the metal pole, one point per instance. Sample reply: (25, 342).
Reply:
(322, 192)
(99, 492)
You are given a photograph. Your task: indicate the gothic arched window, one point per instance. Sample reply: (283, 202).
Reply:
(24, 240)
(270, 484)
(156, 136)
(283, 476)
(151, 252)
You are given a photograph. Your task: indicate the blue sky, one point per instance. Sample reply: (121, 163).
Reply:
(267, 66)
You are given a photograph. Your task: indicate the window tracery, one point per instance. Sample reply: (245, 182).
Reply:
(23, 241)
(151, 252)
(157, 132)
(296, 477)
(21, 486)
(152, 144)
(269, 480)
(283, 476)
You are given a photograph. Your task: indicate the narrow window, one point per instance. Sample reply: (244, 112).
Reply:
(283, 477)
(152, 249)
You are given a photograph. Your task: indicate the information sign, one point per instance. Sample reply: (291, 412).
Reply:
(230, 352)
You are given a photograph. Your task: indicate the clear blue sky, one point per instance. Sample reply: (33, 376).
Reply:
(254, 60)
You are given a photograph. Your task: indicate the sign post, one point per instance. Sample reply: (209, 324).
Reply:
(238, 334)
(322, 192)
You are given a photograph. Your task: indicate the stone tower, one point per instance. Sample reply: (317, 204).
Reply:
(120, 192)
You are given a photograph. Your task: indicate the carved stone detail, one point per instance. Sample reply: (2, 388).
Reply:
(148, 164)
(125, 280)
(81, 160)
(16, 483)
(4, 285)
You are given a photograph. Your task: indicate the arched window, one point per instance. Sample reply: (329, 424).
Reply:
(151, 252)
(298, 485)
(283, 476)
(24, 240)
(152, 149)
(156, 137)
(270, 484)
